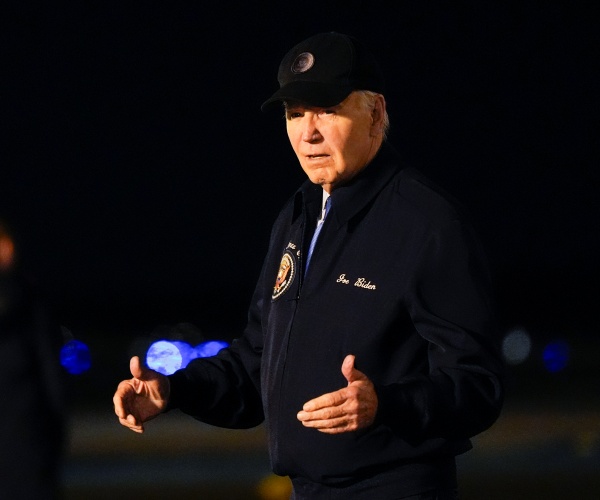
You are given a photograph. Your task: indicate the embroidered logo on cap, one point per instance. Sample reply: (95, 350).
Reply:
(285, 275)
(303, 62)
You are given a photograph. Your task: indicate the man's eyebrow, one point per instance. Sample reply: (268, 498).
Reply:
(299, 105)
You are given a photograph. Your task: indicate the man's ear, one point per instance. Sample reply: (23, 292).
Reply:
(377, 116)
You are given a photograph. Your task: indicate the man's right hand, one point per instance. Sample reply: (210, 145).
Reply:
(142, 397)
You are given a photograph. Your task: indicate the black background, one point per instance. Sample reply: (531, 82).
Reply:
(141, 178)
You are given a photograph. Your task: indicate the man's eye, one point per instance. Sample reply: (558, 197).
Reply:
(327, 112)
(294, 114)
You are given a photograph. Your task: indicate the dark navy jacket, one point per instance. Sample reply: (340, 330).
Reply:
(398, 279)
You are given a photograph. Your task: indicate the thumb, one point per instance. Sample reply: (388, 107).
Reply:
(135, 366)
(350, 373)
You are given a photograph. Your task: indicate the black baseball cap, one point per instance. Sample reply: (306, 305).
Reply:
(324, 69)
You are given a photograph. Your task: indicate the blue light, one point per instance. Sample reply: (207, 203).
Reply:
(75, 357)
(556, 356)
(168, 356)
(210, 348)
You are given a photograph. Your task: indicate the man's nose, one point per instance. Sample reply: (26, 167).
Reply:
(310, 132)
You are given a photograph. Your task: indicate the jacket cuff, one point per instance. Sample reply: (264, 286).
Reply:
(177, 382)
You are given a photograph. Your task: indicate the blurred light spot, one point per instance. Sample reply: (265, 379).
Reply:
(168, 356)
(556, 356)
(516, 346)
(210, 348)
(274, 488)
(75, 357)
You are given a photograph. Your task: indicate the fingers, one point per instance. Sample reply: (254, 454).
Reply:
(125, 415)
(332, 426)
(325, 406)
(356, 412)
(339, 428)
(131, 423)
(121, 404)
(119, 399)
(338, 397)
(348, 409)
(325, 401)
(333, 419)
(122, 399)
(329, 406)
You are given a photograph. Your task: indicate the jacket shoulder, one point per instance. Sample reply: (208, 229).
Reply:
(426, 198)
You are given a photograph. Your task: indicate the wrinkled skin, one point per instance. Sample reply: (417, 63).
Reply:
(349, 409)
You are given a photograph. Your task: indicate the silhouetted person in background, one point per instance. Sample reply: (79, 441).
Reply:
(31, 386)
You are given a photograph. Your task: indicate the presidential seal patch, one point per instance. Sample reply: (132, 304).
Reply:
(285, 275)
(303, 63)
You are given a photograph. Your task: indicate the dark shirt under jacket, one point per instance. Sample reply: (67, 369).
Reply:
(399, 280)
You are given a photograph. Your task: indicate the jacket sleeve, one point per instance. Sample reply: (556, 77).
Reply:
(224, 390)
(449, 302)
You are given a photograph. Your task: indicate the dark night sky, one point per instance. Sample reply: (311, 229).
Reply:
(141, 177)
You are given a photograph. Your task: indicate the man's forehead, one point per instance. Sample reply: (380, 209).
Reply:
(293, 104)
(302, 105)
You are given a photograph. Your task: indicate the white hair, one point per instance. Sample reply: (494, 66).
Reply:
(368, 98)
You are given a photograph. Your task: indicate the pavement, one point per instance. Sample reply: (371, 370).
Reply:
(527, 454)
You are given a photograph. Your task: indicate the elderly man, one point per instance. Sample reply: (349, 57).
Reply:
(369, 350)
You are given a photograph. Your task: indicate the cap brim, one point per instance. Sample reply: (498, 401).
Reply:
(311, 93)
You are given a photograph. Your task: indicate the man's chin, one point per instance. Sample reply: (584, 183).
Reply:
(325, 184)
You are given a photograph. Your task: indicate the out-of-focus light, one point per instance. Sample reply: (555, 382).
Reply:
(274, 488)
(75, 357)
(166, 356)
(556, 356)
(516, 346)
(210, 348)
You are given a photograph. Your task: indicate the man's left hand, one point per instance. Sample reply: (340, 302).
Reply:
(352, 408)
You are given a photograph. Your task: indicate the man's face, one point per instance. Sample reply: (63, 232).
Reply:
(332, 144)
